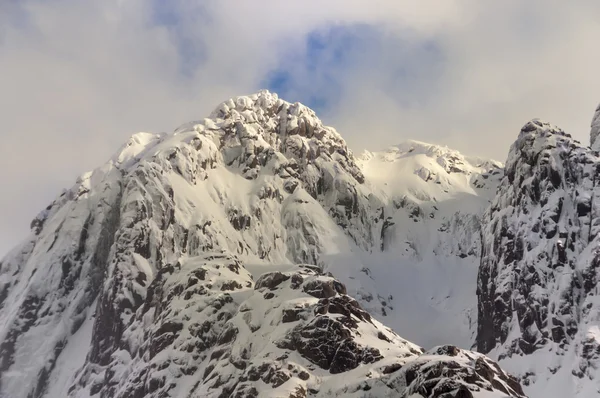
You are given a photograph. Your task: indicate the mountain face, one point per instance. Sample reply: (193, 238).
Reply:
(251, 254)
(538, 280)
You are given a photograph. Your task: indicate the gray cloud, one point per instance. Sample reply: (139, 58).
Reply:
(77, 78)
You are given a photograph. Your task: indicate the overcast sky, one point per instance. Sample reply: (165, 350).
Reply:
(78, 77)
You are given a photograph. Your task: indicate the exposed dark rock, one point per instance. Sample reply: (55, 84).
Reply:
(324, 289)
(271, 280)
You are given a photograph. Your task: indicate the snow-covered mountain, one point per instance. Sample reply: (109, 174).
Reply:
(539, 299)
(433, 199)
(252, 254)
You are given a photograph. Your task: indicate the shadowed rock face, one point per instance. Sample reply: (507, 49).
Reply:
(135, 282)
(538, 275)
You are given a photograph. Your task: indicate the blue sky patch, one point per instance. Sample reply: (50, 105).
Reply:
(315, 76)
(175, 17)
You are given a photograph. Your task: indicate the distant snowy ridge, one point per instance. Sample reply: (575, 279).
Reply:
(172, 270)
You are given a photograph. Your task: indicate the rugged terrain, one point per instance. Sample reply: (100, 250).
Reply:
(252, 254)
(538, 289)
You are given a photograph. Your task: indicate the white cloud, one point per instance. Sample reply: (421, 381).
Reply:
(77, 78)
(506, 63)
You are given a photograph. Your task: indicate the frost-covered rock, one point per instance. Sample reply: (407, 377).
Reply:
(204, 332)
(449, 371)
(538, 280)
(183, 316)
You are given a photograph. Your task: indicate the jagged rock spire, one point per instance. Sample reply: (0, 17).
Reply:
(595, 130)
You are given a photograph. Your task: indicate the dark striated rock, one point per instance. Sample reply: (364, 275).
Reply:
(324, 289)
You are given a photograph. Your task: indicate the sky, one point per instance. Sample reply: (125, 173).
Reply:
(78, 78)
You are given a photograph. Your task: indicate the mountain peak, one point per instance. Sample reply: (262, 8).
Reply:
(262, 99)
(172, 270)
(249, 130)
(541, 127)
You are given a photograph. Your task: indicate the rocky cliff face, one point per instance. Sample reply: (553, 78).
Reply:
(538, 279)
(171, 271)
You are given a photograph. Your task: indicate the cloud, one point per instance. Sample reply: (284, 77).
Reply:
(77, 78)
(470, 81)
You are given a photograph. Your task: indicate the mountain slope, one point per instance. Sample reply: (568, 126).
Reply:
(133, 281)
(433, 200)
